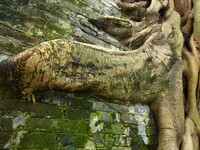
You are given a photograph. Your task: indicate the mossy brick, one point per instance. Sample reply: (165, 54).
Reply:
(116, 140)
(137, 141)
(6, 124)
(121, 108)
(129, 118)
(106, 116)
(152, 130)
(134, 130)
(123, 140)
(57, 125)
(153, 140)
(152, 122)
(75, 140)
(4, 138)
(37, 140)
(77, 113)
(98, 140)
(44, 110)
(141, 109)
(36, 109)
(118, 128)
(121, 148)
(114, 128)
(103, 107)
(66, 99)
(69, 147)
(142, 130)
(109, 141)
(8, 106)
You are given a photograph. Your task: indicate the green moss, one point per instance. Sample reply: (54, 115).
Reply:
(81, 139)
(75, 140)
(89, 145)
(6, 124)
(109, 140)
(4, 138)
(39, 140)
(98, 140)
(118, 128)
(57, 125)
(106, 116)
(77, 113)
(69, 147)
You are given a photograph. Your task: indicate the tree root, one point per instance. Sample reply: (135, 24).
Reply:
(192, 125)
(134, 10)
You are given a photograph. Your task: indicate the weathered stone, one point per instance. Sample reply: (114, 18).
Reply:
(36, 140)
(36, 109)
(4, 138)
(129, 118)
(6, 124)
(109, 140)
(102, 106)
(77, 113)
(151, 131)
(76, 140)
(98, 140)
(57, 125)
(24, 31)
(66, 99)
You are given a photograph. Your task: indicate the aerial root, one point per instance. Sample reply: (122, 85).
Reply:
(187, 143)
(134, 10)
(192, 125)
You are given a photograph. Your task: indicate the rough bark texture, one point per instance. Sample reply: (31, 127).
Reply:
(74, 66)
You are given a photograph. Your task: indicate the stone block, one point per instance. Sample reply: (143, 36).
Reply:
(4, 138)
(6, 124)
(152, 130)
(75, 140)
(57, 125)
(37, 140)
(77, 113)
(35, 109)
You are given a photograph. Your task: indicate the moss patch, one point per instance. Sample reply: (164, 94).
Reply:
(39, 140)
(57, 125)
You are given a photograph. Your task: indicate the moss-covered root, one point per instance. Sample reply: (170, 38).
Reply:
(75, 66)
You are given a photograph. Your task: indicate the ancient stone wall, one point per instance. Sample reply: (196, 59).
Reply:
(75, 121)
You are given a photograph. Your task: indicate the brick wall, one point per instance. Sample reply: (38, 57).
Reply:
(75, 121)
